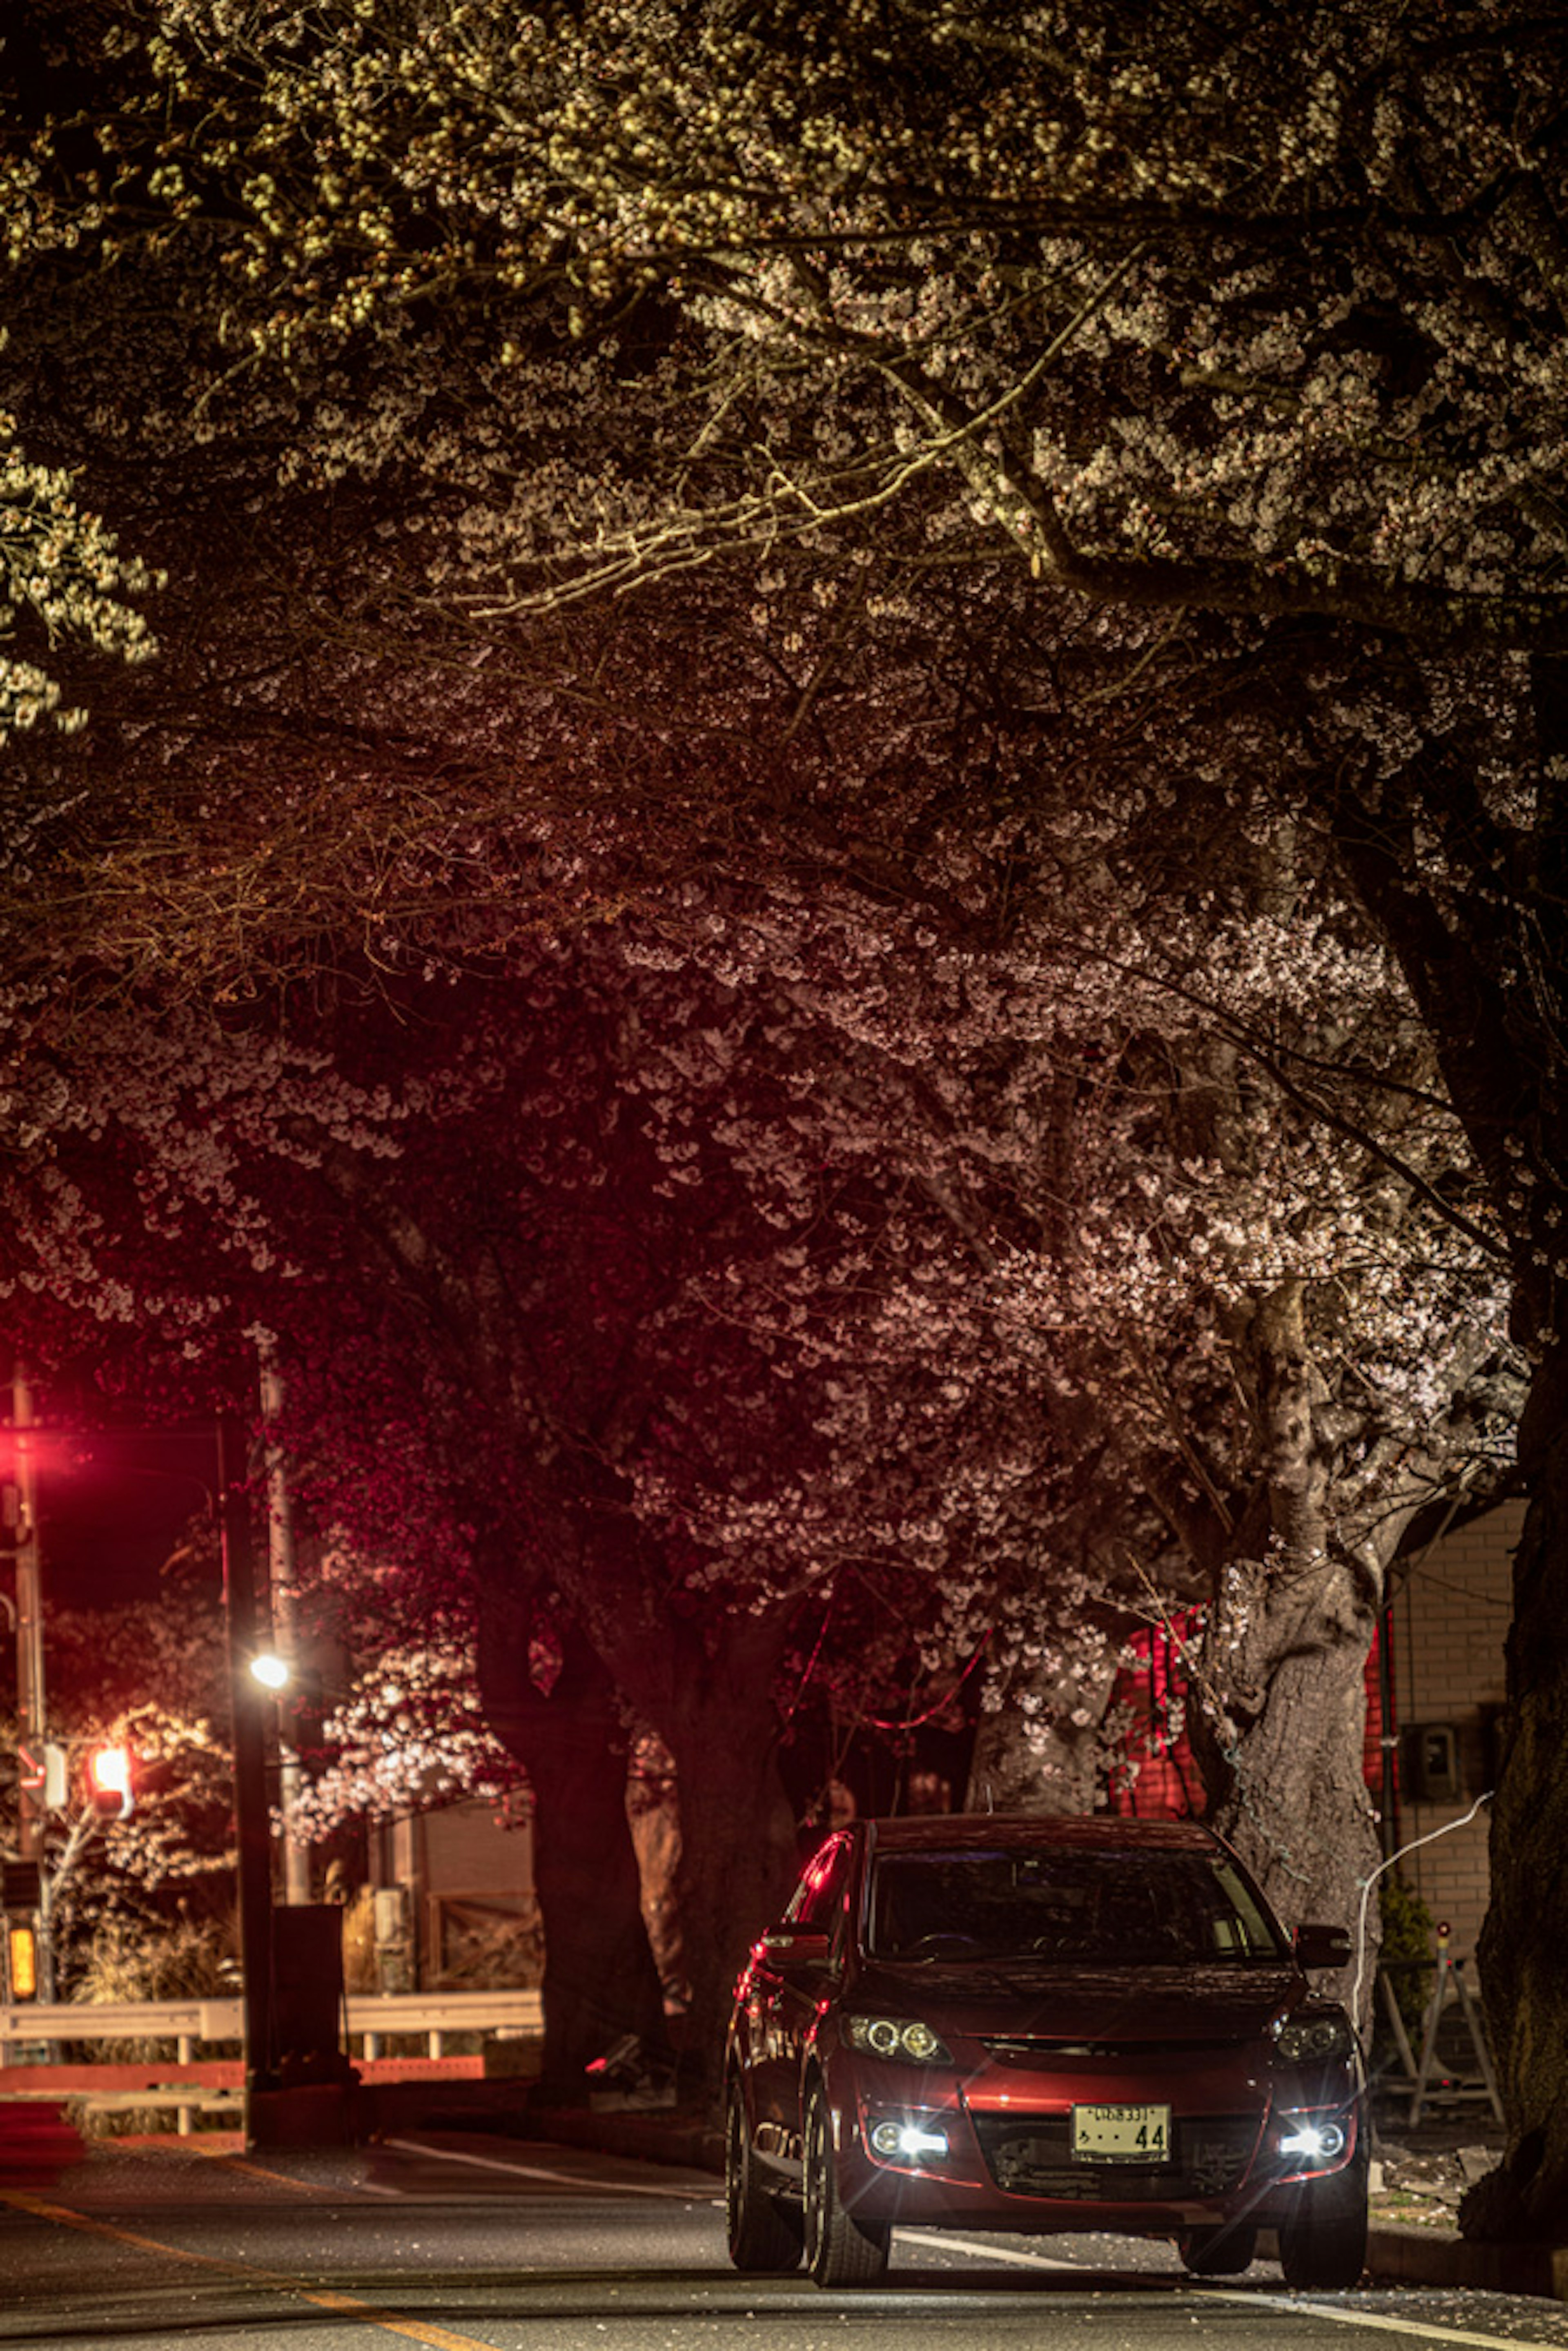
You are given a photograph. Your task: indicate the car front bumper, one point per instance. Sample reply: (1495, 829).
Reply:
(914, 2150)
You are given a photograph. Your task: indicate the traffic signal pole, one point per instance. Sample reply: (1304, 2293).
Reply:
(253, 1828)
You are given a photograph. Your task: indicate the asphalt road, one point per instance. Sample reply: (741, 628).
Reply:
(472, 2243)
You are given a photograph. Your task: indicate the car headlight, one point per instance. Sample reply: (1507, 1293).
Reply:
(897, 2036)
(1314, 2037)
(1322, 2140)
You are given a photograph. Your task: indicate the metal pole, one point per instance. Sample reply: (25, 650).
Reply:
(32, 1812)
(29, 1611)
(284, 1623)
(253, 1833)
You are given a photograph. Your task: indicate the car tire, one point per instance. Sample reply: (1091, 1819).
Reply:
(763, 2233)
(1322, 2240)
(1218, 2253)
(840, 2250)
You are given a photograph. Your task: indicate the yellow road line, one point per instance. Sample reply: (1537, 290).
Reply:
(440, 2338)
(257, 2170)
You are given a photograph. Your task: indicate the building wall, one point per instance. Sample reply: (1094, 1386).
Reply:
(1450, 1622)
(468, 1913)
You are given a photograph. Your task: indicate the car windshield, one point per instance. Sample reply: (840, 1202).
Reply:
(1070, 1905)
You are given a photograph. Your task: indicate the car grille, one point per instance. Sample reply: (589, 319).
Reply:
(1030, 2155)
(1014, 2050)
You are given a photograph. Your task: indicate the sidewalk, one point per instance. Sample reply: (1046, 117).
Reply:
(1418, 2178)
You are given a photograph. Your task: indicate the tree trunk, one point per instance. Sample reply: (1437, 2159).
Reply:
(1523, 1973)
(600, 1980)
(740, 1856)
(1281, 1729)
(1281, 1752)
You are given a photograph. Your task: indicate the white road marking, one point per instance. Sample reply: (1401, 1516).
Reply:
(942, 2243)
(1425, 2329)
(693, 2195)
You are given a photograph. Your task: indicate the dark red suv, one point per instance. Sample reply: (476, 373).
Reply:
(1043, 2024)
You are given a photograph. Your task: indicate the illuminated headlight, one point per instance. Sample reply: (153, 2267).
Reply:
(1318, 2036)
(895, 2036)
(1314, 2142)
(912, 2141)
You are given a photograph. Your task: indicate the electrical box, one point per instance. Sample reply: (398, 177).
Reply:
(41, 1769)
(1431, 1764)
(21, 1885)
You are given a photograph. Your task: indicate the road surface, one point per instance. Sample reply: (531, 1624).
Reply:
(466, 2242)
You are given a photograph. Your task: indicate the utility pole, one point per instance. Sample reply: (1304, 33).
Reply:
(284, 1626)
(32, 1809)
(29, 1608)
(253, 1828)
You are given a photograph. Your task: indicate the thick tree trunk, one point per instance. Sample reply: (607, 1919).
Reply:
(1282, 1754)
(601, 1984)
(1523, 1948)
(1281, 1729)
(739, 1854)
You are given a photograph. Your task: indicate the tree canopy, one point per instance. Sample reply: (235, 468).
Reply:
(682, 470)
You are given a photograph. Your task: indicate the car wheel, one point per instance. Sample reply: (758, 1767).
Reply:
(840, 2250)
(763, 2234)
(1322, 2242)
(1217, 2253)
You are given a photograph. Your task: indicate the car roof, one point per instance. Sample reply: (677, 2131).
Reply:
(1006, 1832)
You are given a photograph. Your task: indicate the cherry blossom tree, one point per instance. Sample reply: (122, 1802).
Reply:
(1179, 318)
(681, 1277)
(1160, 320)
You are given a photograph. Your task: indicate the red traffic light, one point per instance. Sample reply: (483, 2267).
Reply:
(108, 1782)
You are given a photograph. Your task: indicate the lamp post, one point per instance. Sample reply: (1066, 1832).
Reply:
(252, 1831)
(284, 1596)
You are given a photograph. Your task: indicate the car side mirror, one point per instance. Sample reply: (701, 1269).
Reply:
(805, 1946)
(1323, 1946)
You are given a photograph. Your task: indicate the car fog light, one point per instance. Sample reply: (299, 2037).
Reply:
(911, 2141)
(1316, 2142)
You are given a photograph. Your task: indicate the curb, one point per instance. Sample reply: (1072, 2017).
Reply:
(688, 2141)
(1411, 2257)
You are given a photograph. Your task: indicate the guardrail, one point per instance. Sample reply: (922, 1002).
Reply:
(190, 2084)
(370, 2018)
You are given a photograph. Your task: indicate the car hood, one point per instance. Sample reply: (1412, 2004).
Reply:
(1124, 2007)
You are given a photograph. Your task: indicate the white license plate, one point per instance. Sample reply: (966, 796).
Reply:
(1123, 2134)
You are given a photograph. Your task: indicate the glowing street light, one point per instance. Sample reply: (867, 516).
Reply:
(110, 1782)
